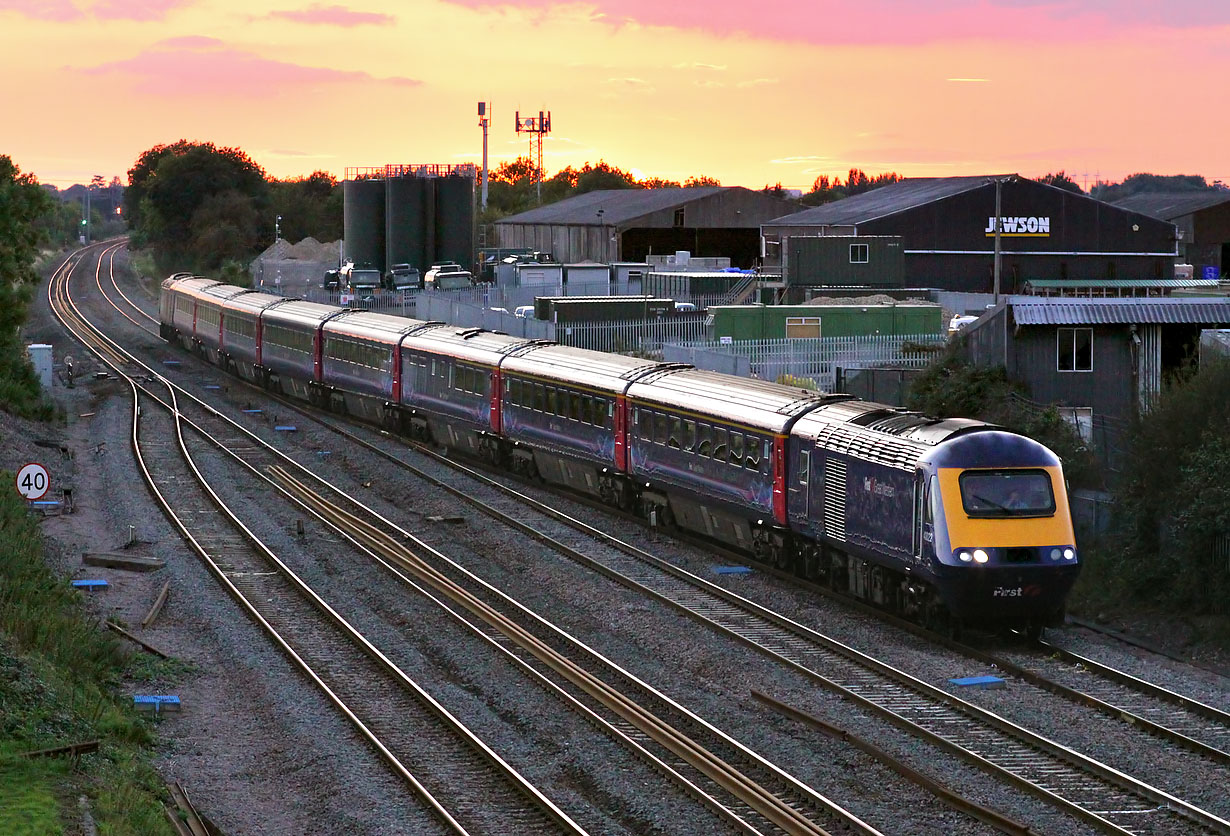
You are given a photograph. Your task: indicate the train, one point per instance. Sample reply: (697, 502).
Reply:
(949, 522)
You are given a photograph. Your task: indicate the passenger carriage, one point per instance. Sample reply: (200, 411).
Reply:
(361, 362)
(241, 327)
(708, 451)
(564, 411)
(450, 387)
(290, 347)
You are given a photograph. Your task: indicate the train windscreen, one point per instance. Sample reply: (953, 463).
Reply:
(1007, 493)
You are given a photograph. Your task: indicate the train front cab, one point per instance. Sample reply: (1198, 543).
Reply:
(995, 527)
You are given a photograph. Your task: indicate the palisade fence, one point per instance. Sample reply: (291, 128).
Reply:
(808, 362)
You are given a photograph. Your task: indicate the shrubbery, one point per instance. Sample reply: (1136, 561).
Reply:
(953, 388)
(1173, 503)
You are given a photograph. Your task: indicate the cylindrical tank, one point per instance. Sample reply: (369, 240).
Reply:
(363, 222)
(455, 219)
(405, 230)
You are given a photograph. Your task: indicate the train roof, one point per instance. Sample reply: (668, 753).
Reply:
(299, 312)
(473, 344)
(582, 367)
(991, 449)
(757, 403)
(252, 302)
(877, 432)
(189, 285)
(375, 327)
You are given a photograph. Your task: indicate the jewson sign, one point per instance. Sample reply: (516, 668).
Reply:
(1020, 227)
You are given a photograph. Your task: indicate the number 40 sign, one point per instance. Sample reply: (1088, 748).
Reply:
(33, 481)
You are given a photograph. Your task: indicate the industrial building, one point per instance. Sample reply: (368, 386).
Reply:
(409, 214)
(947, 229)
(613, 225)
(1203, 221)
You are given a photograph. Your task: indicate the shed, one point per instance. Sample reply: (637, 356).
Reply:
(587, 274)
(629, 224)
(770, 322)
(1101, 361)
(844, 261)
(600, 308)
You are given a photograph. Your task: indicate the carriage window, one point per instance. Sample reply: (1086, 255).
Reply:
(587, 410)
(673, 440)
(574, 405)
(540, 397)
(719, 443)
(659, 428)
(689, 435)
(562, 398)
(603, 411)
(751, 459)
(736, 449)
(552, 402)
(704, 444)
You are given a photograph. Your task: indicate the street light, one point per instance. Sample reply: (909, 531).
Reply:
(999, 226)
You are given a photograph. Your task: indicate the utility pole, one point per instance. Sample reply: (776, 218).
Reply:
(277, 253)
(999, 227)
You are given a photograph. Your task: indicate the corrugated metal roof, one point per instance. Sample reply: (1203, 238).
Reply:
(1110, 283)
(1212, 311)
(617, 205)
(1168, 206)
(886, 200)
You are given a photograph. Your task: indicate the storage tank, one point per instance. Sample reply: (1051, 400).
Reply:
(455, 219)
(363, 221)
(405, 232)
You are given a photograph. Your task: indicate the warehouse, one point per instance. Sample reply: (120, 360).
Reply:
(947, 229)
(1203, 221)
(629, 224)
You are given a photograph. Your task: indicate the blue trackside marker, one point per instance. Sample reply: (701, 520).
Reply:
(170, 362)
(253, 411)
(323, 454)
(986, 682)
(286, 428)
(733, 570)
(91, 585)
(156, 701)
(211, 386)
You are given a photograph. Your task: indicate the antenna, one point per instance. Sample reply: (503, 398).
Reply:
(537, 129)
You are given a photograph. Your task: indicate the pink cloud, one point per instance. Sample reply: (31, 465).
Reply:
(894, 21)
(332, 16)
(201, 66)
(64, 10)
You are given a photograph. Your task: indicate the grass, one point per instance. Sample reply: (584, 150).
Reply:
(58, 685)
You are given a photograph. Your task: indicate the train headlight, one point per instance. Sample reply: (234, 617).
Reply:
(966, 557)
(981, 556)
(1055, 554)
(1069, 553)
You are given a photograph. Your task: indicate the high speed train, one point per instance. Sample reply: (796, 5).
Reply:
(949, 522)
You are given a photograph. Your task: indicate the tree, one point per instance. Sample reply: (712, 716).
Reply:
(311, 205)
(701, 180)
(658, 183)
(1060, 180)
(602, 176)
(1138, 183)
(170, 184)
(22, 204)
(775, 191)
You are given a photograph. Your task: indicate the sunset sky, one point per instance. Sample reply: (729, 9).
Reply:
(751, 93)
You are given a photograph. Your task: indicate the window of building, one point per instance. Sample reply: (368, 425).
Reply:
(858, 254)
(802, 327)
(1081, 419)
(1074, 351)
(679, 217)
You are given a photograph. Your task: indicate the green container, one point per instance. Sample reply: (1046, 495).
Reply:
(845, 261)
(775, 322)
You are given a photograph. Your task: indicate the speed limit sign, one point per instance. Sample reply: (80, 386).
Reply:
(33, 481)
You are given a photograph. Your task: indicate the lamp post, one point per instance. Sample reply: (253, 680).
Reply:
(999, 227)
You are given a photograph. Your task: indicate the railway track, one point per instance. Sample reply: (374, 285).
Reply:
(1099, 794)
(751, 794)
(452, 772)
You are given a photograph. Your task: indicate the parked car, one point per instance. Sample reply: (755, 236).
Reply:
(960, 321)
(524, 311)
(684, 307)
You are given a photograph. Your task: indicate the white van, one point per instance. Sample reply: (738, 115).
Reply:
(524, 311)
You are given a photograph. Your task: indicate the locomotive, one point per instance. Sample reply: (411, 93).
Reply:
(946, 521)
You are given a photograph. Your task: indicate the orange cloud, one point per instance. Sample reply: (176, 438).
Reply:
(196, 65)
(66, 10)
(332, 16)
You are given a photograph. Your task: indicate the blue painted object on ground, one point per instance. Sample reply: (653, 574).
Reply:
(286, 428)
(170, 362)
(978, 682)
(253, 411)
(91, 584)
(733, 570)
(157, 701)
(211, 386)
(324, 454)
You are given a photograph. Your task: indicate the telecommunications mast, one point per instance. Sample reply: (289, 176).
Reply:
(537, 129)
(484, 122)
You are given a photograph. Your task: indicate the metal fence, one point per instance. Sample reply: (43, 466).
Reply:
(807, 361)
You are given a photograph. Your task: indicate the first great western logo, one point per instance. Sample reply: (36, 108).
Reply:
(1020, 227)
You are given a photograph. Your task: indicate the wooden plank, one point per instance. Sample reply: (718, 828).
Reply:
(157, 605)
(71, 750)
(117, 628)
(114, 560)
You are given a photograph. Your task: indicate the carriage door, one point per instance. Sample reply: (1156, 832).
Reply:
(924, 531)
(799, 478)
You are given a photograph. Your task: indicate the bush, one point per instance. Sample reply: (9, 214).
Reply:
(953, 388)
(1173, 504)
